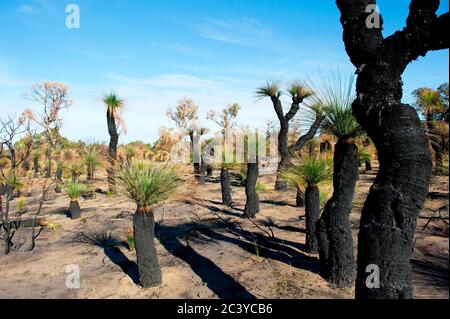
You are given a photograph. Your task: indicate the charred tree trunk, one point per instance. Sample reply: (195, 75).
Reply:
(209, 170)
(286, 151)
(299, 198)
(252, 203)
(6, 224)
(36, 167)
(144, 239)
(334, 233)
(89, 176)
(112, 151)
(435, 141)
(285, 158)
(368, 166)
(389, 216)
(49, 164)
(226, 187)
(202, 174)
(58, 180)
(312, 210)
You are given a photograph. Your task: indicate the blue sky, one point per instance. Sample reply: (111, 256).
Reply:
(155, 52)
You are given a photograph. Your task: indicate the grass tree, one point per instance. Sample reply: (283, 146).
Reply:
(429, 103)
(389, 216)
(148, 184)
(36, 157)
(298, 94)
(297, 182)
(365, 156)
(75, 190)
(335, 96)
(310, 171)
(92, 160)
(130, 152)
(114, 106)
(226, 120)
(252, 173)
(76, 169)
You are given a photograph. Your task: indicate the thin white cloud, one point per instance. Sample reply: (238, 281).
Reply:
(238, 30)
(25, 9)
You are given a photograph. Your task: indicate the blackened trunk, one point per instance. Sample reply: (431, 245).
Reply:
(368, 166)
(49, 165)
(36, 167)
(196, 169)
(202, 174)
(144, 240)
(209, 170)
(112, 151)
(436, 142)
(299, 198)
(252, 203)
(312, 210)
(89, 172)
(226, 187)
(74, 210)
(389, 216)
(58, 180)
(6, 237)
(283, 150)
(334, 233)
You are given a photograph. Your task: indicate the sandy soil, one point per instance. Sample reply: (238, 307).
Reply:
(205, 252)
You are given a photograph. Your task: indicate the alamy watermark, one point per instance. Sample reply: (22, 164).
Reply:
(73, 18)
(373, 20)
(73, 277)
(373, 279)
(232, 146)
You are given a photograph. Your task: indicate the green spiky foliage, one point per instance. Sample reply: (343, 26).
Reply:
(13, 181)
(113, 102)
(148, 183)
(271, 89)
(309, 171)
(335, 96)
(299, 91)
(428, 100)
(130, 152)
(364, 155)
(75, 190)
(92, 158)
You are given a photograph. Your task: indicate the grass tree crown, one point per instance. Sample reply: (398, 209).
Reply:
(113, 102)
(309, 171)
(148, 184)
(334, 97)
(75, 190)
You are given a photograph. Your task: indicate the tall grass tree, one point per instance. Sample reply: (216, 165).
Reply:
(298, 94)
(148, 184)
(310, 171)
(335, 96)
(114, 105)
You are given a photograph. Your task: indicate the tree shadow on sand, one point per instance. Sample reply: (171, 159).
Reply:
(110, 242)
(222, 284)
(285, 251)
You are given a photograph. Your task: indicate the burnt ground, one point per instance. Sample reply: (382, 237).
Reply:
(205, 252)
